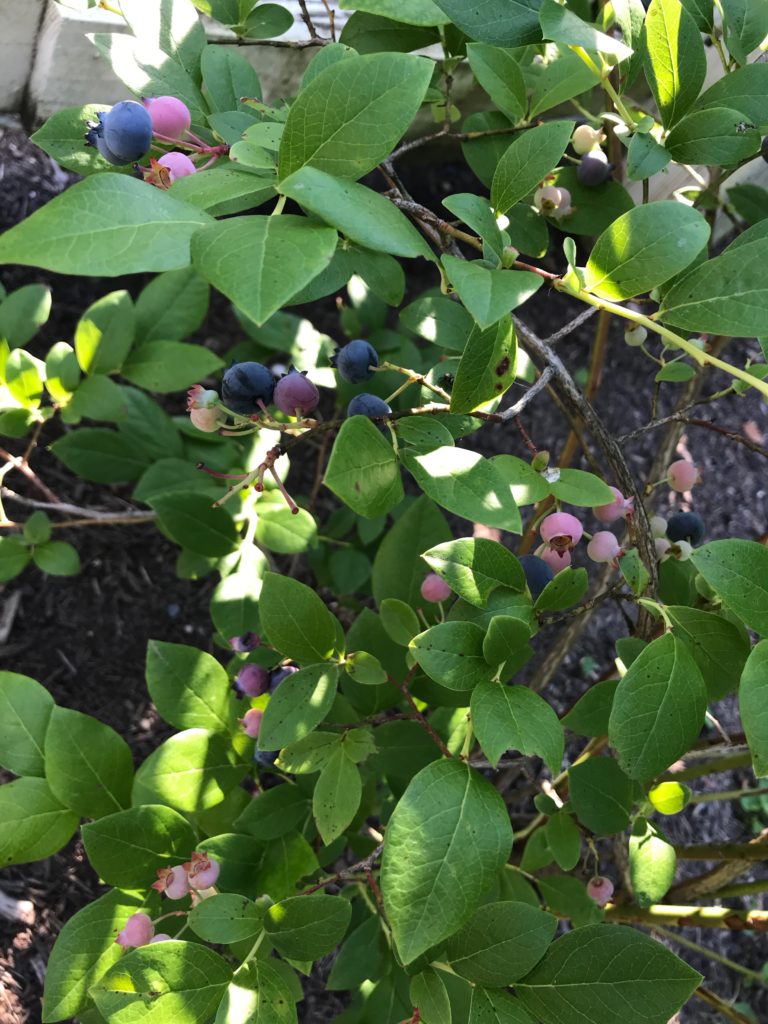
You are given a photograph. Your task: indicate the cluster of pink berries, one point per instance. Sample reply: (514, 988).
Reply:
(561, 532)
(171, 122)
(191, 879)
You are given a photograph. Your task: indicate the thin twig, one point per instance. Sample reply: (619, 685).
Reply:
(514, 410)
(679, 417)
(20, 462)
(571, 326)
(307, 19)
(712, 999)
(690, 917)
(420, 718)
(86, 516)
(365, 865)
(285, 44)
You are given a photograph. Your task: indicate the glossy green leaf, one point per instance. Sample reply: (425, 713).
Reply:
(430, 997)
(745, 90)
(165, 366)
(527, 160)
(101, 455)
(25, 710)
(492, 1006)
(565, 590)
(717, 135)
(577, 487)
(717, 646)
(225, 917)
(189, 688)
(746, 26)
(35, 823)
(451, 653)
(502, 22)
(645, 157)
(259, 991)
(190, 520)
(601, 795)
(337, 795)
(564, 840)
(489, 294)
(754, 708)
(501, 943)
(499, 74)
(487, 365)
(191, 771)
(296, 621)
(473, 568)
(564, 27)
(675, 63)
(449, 824)
(104, 333)
(127, 848)
(307, 927)
(738, 571)
(589, 715)
(23, 312)
(363, 469)
(273, 812)
(413, 12)
(516, 718)
(298, 706)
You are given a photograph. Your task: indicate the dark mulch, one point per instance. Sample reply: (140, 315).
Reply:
(85, 639)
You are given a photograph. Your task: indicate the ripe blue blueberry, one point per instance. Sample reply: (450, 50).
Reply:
(354, 361)
(245, 385)
(279, 675)
(686, 526)
(593, 169)
(537, 573)
(123, 134)
(295, 393)
(368, 405)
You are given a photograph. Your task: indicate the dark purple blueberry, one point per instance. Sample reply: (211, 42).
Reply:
(593, 169)
(123, 134)
(279, 675)
(252, 680)
(246, 643)
(537, 573)
(686, 526)
(368, 405)
(295, 393)
(245, 385)
(354, 361)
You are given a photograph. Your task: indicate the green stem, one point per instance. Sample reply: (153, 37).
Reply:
(255, 947)
(727, 794)
(606, 83)
(741, 889)
(711, 954)
(279, 206)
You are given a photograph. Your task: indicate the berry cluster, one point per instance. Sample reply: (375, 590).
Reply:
(594, 168)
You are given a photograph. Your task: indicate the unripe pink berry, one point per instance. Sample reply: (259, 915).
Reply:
(586, 138)
(253, 680)
(160, 937)
(178, 165)
(556, 560)
(619, 508)
(600, 889)
(561, 531)
(173, 882)
(137, 931)
(170, 117)
(434, 588)
(207, 420)
(251, 722)
(203, 872)
(603, 547)
(682, 475)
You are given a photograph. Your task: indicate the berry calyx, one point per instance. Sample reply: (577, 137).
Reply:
(178, 165)
(635, 335)
(202, 871)
(123, 134)
(252, 680)
(170, 117)
(604, 547)
(600, 889)
(538, 573)
(368, 405)
(245, 643)
(687, 526)
(199, 397)
(619, 508)
(172, 881)
(553, 201)
(251, 722)
(593, 169)
(295, 394)
(435, 589)
(561, 531)
(138, 930)
(682, 475)
(586, 138)
(355, 361)
(245, 387)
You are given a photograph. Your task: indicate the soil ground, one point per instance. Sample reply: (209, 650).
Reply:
(85, 638)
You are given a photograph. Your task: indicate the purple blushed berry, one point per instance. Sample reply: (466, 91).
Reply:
(280, 675)
(556, 560)
(137, 931)
(435, 589)
(295, 394)
(593, 169)
(252, 680)
(245, 643)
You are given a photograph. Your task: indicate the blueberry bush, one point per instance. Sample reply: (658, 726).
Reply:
(336, 783)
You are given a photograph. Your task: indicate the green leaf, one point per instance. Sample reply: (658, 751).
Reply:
(23, 313)
(261, 262)
(430, 997)
(473, 568)
(25, 709)
(57, 558)
(224, 189)
(451, 653)
(502, 22)
(746, 26)
(594, 209)
(754, 708)
(169, 475)
(225, 917)
(279, 530)
(190, 520)
(527, 160)
(499, 74)
(717, 135)
(228, 77)
(745, 90)
(725, 295)
(84, 950)
(105, 226)
(98, 398)
(104, 333)
(62, 373)
(365, 669)
(101, 455)
(565, 590)
(24, 376)
(467, 484)
(298, 706)
(173, 28)
(652, 864)
(125, 849)
(191, 771)
(307, 927)
(676, 372)
(589, 715)
(87, 765)
(309, 755)
(563, 77)
(577, 487)
(14, 558)
(259, 992)
(296, 621)
(645, 247)
(717, 646)
(240, 858)
(413, 12)
(601, 795)
(273, 812)
(491, 1006)
(506, 647)
(351, 115)
(501, 943)
(450, 823)
(397, 569)
(489, 294)
(646, 985)
(399, 620)
(658, 709)
(35, 823)
(337, 795)
(363, 470)
(738, 571)
(514, 717)
(175, 981)
(487, 366)
(165, 366)
(564, 840)
(476, 212)
(568, 29)
(424, 433)
(171, 306)
(675, 62)
(749, 201)
(359, 213)
(189, 688)
(438, 319)
(645, 157)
